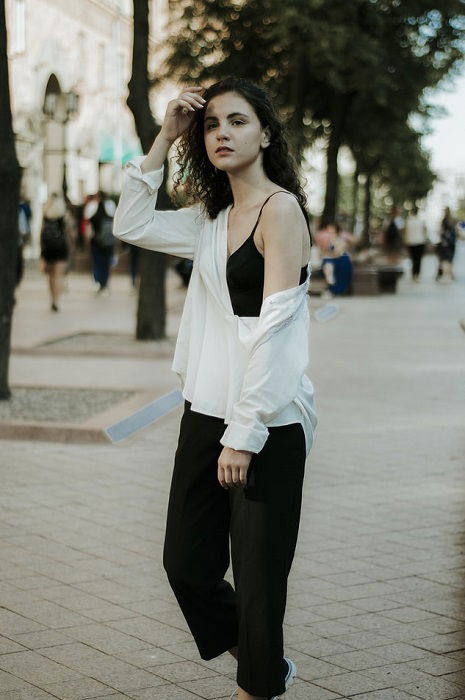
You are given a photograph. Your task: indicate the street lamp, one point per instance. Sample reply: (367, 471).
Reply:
(62, 107)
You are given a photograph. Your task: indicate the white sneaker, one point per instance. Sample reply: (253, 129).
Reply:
(290, 675)
(289, 680)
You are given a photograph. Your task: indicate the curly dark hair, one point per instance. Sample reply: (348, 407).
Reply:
(202, 182)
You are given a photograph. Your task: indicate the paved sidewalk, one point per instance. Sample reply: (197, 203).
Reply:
(375, 606)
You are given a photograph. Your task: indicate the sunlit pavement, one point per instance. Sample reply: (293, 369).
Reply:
(375, 605)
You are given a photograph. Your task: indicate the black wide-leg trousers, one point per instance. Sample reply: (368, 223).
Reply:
(416, 253)
(262, 521)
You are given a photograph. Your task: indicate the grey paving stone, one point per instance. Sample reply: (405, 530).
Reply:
(187, 649)
(377, 580)
(311, 668)
(78, 690)
(114, 696)
(454, 641)
(29, 692)
(387, 694)
(167, 692)
(32, 667)
(8, 645)
(434, 689)
(104, 638)
(320, 647)
(458, 677)
(350, 683)
(399, 652)
(148, 657)
(44, 638)
(355, 660)
(437, 664)
(395, 674)
(182, 671)
(12, 623)
(209, 687)
(10, 682)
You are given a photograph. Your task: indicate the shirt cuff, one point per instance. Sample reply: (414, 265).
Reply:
(152, 179)
(241, 437)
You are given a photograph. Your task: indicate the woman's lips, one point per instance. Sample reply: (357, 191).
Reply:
(223, 151)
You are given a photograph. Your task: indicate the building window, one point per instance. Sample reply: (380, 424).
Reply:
(19, 26)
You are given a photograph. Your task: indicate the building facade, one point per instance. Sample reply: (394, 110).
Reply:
(70, 64)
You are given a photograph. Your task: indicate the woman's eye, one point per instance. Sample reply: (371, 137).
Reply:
(210, 125)
(237, 121)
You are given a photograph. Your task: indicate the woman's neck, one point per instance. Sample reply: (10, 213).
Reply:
(249, 185)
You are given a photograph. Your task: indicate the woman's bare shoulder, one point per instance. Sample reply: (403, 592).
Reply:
(283, 213)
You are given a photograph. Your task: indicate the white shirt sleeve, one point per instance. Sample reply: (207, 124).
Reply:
(277, 362)
(137, 221)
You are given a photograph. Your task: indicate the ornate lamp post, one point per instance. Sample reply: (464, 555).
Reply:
(62, 107)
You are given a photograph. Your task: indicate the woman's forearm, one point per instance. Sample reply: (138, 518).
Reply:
(157, 154)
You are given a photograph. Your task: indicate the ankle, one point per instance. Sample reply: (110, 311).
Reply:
(242, 695)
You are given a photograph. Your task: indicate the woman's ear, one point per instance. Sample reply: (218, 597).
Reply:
(266, 137)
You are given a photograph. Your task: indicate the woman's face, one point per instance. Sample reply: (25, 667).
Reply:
(233, 135)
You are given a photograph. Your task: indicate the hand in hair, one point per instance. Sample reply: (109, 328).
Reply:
(180, 111)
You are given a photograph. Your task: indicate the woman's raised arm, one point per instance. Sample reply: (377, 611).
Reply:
(136, 219)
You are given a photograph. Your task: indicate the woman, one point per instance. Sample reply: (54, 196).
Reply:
(99, 212)
(446, 246)
(392, 244)
(54, 243)
(241, 355)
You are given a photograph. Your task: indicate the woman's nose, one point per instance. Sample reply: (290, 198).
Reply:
(222, 132)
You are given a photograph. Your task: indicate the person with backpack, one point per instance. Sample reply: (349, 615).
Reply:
(100, 212)
(54, 244)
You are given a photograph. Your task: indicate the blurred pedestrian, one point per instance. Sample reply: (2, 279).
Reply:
(99, 212)
(415, 238)
(446, 246)
(392, 243)
(24, 235)
(134, 262)
(72, 227)
(54, 244)
(337, 263)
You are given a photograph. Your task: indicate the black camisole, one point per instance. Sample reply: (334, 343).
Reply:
(245, 274)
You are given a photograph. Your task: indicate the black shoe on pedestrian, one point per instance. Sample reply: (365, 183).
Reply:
(54, 307)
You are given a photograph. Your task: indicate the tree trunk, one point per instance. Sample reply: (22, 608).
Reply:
(10, 178)
(338, 119)
(367, 212)
(151, 311)
(355, 192)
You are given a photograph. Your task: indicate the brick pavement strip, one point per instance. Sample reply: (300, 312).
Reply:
(375, 606)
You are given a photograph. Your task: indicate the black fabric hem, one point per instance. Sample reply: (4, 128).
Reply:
(208, 656)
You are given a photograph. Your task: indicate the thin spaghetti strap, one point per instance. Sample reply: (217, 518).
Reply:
(261, 208)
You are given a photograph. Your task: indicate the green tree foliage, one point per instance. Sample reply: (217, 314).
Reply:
(322, 59)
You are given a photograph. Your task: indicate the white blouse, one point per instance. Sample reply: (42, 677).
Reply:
(250, 371)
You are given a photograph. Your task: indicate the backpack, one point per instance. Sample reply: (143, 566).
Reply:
(53, 237)
(104, 233)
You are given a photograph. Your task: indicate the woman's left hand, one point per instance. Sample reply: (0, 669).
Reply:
(233, 466)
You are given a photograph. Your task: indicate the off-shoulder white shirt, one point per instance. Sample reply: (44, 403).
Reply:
(250, 371)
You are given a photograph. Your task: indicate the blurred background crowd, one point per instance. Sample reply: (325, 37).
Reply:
(356, 84)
